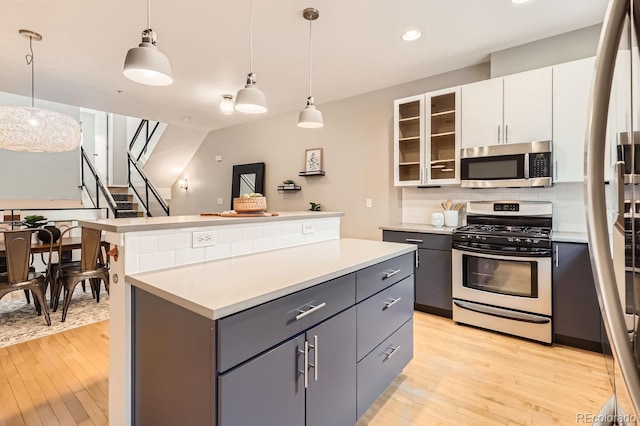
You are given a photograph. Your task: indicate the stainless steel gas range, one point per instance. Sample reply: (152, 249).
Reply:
(501, 268)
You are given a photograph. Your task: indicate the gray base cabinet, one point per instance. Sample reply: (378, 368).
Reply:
(576, 313)
(292, 361)
(433, 270)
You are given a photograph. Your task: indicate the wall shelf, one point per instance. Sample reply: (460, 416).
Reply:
(316, 173)
(289, 188)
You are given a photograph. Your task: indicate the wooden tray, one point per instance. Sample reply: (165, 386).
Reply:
(266, 214)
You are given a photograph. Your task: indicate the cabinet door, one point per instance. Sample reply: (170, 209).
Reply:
(331, 399)
(442, 136)
(481, 113)
(571, 88)
(527, 106)
(576, 313)
(408, 141)
(268, 390)
(433, 279)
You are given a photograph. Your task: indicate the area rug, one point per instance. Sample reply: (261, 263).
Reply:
(19, 321)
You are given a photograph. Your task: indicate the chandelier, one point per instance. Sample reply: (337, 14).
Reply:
(34, 129)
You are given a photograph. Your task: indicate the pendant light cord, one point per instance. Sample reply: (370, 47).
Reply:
(29, 58)
(310, 23)
(149, 14)
(251, 36)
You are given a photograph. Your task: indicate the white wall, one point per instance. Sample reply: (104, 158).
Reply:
(46, 176)
(358, 151)
(118, 153)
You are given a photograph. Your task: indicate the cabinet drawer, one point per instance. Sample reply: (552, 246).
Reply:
(378, 369)
(382, 314)
(245, 334)
(422, 240)
(371, 280)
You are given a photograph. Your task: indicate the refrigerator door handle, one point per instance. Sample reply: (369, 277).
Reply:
(596, 211)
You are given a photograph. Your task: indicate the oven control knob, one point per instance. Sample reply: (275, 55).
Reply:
(536, 241)
(516, 240)
(478, 237)
(528, 240)
(510, 239)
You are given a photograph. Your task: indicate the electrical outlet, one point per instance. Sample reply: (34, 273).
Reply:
(203, 239)
(218, 158)
(368, 202)
(219, 200)
(307, 228)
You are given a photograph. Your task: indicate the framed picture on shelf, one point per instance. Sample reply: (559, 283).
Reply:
(313, 160)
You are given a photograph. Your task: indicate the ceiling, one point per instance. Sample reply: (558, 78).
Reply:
(356, 48)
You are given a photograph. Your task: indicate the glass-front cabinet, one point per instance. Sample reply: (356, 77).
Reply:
(408, 140)
(443, 136)
(427, 139)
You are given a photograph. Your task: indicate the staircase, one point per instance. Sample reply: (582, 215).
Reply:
(126, 207)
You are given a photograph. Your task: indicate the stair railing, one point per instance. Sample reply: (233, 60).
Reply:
(150, 192)
(96, 187)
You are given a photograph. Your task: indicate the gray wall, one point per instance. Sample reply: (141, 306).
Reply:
(45, 176)
(565, 47)
(358, 152)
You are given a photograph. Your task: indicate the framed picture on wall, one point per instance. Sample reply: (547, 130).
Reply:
(313, 160)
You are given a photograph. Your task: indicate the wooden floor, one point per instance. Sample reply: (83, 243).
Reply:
(459, 375)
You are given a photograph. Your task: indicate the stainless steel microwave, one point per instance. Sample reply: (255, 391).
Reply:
(507, 166)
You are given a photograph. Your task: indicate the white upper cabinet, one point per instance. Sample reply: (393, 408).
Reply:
(481, 112)
(408, 144)
(571, 88)
(442, 137)
(512, 109)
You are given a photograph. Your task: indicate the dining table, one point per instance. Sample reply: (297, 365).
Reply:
(67, 243)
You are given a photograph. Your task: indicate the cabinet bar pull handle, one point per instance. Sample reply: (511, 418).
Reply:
(555, 170)
(392, 273)
(413, 240)
(303, 314)
(417, 258)
(499, 134)
(557, 256)
(506, 133)
(393, 351)
(315, 358)
(393, 302)
(305, 369)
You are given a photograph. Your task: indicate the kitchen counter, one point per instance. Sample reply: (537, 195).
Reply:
(569, 237)
(136, 224)
(246, 281)
(418, 227)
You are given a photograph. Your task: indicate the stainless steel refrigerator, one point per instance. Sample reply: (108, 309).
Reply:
(613, 210)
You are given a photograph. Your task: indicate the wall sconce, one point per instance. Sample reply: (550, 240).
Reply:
(183, 184)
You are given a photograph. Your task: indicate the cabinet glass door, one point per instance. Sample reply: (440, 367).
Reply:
(409, 141)
(443, 137)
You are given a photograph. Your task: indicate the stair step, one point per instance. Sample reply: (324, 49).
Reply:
(128, 213)
(126, 205)
(124, 189)
(122, 197)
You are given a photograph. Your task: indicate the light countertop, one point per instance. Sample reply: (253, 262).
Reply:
(135, 224)
(220, 288)
(569, 237)
(418, 227)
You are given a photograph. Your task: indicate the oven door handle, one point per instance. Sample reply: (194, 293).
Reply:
(502, 313)
(502, 254)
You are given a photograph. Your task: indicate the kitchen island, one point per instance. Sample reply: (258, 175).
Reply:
(193, 328)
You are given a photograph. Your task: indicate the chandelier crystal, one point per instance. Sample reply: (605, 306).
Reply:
(34, 129)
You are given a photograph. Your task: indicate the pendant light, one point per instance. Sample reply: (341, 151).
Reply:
(226, 105)
(146, 64)
(310, 117)
(251, 99)
(34, 129)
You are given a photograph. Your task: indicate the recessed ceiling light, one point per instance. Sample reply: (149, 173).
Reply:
(411, 35)
(519, 1)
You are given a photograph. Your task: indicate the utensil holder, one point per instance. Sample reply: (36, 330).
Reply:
(451, 218)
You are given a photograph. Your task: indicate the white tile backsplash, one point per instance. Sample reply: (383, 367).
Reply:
(150, 250)
(567, 199)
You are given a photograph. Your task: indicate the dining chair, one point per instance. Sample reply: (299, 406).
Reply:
(92, 266)
(19, 275)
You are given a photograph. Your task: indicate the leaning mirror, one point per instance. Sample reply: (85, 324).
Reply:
(247, 178)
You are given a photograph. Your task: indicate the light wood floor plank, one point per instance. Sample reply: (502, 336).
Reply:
(459, 375)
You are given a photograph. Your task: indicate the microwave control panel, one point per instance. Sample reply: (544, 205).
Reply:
(540, 165)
